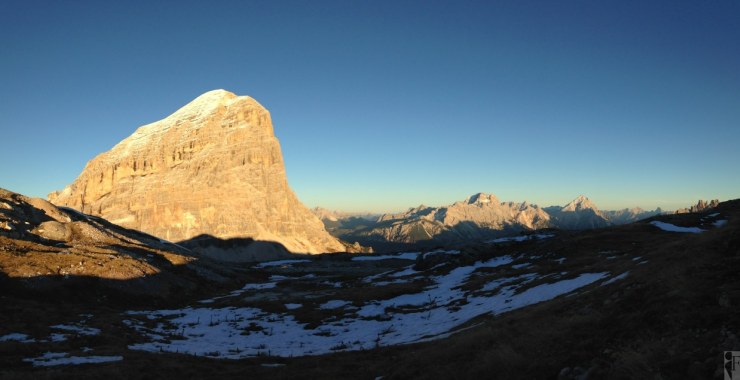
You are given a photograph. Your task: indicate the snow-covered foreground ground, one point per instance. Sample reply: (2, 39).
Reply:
(62, 358)
(521, 238)
(673, 228)
(237, 332)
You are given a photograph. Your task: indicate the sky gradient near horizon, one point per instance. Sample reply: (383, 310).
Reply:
(383, 105)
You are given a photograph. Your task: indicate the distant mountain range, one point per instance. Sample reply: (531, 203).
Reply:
(479, 217)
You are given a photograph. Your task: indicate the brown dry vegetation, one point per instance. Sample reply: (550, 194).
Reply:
(671, 318)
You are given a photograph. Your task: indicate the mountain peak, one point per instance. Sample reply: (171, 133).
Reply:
(214, 167)
(205, 104)
(481, 199)
(580, 203)
(215, 94)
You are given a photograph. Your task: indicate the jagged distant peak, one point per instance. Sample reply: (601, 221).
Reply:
(580, 203)
(700, 206)
(418, 208)
(482, 198)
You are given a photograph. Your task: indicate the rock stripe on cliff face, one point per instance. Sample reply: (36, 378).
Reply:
(213, 167)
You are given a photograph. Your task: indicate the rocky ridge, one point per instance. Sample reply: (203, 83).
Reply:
(479, 217)
(214, 167)
(700, 206)
(581, 213)
(53, 247)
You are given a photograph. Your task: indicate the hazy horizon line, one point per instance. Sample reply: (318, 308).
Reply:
(674, 205)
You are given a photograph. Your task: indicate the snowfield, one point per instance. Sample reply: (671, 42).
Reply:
(278, 263)
(433, 313)
(673, 228)
(520, 238)
(62, 358)
(16, 337)
(399, 256)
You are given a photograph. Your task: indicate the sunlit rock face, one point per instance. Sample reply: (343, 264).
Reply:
(479, 216)
(213, 167)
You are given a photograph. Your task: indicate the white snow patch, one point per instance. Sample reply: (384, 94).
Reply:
(57, 337)
(278, 263)
(396, 281)
(616, 278)
(63, 358)
(293, 306)
(521, 238)
(498, 283)
(429, 314)
(238, 292)
(372, 278)
(266, 285)
(406, 272)
(720, 223)
(334, 304)
(672, 228)
(441, 252)
(16, 337)
(82, 330)
(400, 256)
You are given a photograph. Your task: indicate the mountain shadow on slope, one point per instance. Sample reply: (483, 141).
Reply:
(415, 235)
(57, 250)
(237, 250)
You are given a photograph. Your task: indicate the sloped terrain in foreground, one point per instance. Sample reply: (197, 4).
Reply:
(635, 301)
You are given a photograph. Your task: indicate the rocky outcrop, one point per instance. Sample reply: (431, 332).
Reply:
(40, 239)
(64, 254)
(700, 206)
(214, 168)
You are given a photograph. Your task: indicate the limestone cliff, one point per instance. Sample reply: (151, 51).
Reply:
(213, 167)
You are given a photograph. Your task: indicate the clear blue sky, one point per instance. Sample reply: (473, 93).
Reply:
(382, 105)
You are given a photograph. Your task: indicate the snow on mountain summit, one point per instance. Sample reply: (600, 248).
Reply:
(580, 203)
(481, 199)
